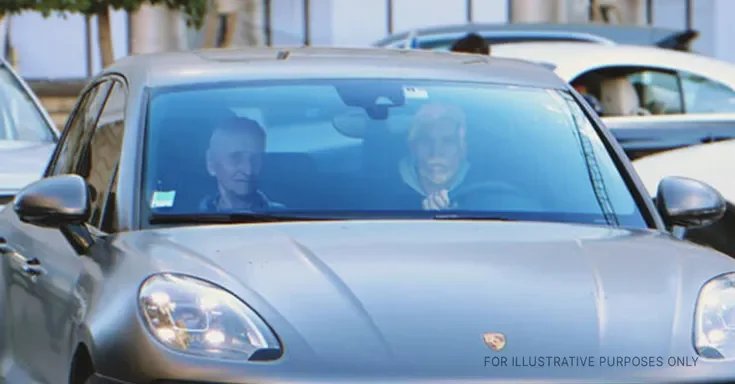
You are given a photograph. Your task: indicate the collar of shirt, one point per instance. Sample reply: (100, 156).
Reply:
(407, 168)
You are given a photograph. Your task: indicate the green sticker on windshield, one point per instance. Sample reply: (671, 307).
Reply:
(163, 199)
(415, 93)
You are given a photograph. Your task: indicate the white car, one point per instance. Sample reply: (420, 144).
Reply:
(28, 135)
(633, 80)
(713, 164)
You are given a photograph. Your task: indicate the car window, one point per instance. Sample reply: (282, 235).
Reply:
(104, 150)
(78, 129)
(20, 118)
(376, 147)
(629, 91)
(703, 95)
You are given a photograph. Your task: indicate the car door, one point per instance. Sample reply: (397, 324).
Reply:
(39, 264)
(98, 162)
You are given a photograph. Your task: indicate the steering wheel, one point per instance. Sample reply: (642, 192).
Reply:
(493, 195)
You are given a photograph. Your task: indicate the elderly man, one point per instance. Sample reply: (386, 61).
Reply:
(235, 158)
(437, 164)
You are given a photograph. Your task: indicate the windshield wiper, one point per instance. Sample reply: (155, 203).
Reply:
(277, 217)
(230, 218)
(462, 216)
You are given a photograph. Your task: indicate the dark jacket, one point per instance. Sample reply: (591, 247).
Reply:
(260, 202)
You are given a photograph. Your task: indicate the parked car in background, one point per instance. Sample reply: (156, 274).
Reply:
(632, 80)
(27, 134)
(713, 163)
(117, 268)
(651, 98)
(442, 37)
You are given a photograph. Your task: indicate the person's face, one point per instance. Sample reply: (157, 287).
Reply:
(439, 150)
(235, 159)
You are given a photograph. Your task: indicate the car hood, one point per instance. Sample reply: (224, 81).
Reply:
(418, 292)
(22, 162)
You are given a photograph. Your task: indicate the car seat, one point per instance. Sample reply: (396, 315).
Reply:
(292, 179)
(618, 97)
(648, 99)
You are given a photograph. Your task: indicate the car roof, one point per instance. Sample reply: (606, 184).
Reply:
(191, 67)
(574, 58)
(627, 34)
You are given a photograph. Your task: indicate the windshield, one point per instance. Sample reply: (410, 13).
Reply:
(20, 118)
(380, 149)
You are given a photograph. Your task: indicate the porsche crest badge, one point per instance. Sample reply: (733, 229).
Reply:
(496, 341)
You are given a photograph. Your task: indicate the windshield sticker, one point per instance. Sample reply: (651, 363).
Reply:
(415, 93)
(163, 199)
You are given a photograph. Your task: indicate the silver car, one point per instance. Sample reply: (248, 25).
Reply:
(27, 134)
(345, 215)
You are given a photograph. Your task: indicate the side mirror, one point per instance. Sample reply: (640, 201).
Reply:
(689, 203)
(54, 202)
(58, 202)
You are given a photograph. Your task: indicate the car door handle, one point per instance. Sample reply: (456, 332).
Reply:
(4, 247)
(33, 268)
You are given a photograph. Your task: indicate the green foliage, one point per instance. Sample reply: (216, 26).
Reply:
(17, 6)
(196, 10)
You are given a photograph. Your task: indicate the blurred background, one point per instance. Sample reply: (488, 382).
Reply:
(57, 52)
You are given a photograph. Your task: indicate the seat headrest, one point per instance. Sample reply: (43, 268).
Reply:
(619, 97)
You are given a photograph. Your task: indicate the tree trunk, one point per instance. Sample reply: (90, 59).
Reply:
(596, 11)
(230, 9)
(178, 36)
(229, 37)
(211, 27)
(11, 54)
(104, 35)
(253, 32)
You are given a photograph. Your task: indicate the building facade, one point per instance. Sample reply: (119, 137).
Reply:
(57, 47)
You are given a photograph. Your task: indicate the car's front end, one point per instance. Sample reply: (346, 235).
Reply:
(416, 301)
(524, 264)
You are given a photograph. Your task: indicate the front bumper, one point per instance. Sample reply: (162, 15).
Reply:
(703, 373)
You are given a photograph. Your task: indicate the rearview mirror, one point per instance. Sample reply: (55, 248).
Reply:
(689, 203)
(54, 202)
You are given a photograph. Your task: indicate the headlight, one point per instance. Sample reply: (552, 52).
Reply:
(714, 332)
(197, 317)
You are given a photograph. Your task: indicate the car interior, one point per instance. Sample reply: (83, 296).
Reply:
(283, 171)
(341, 171)
(625, 92)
